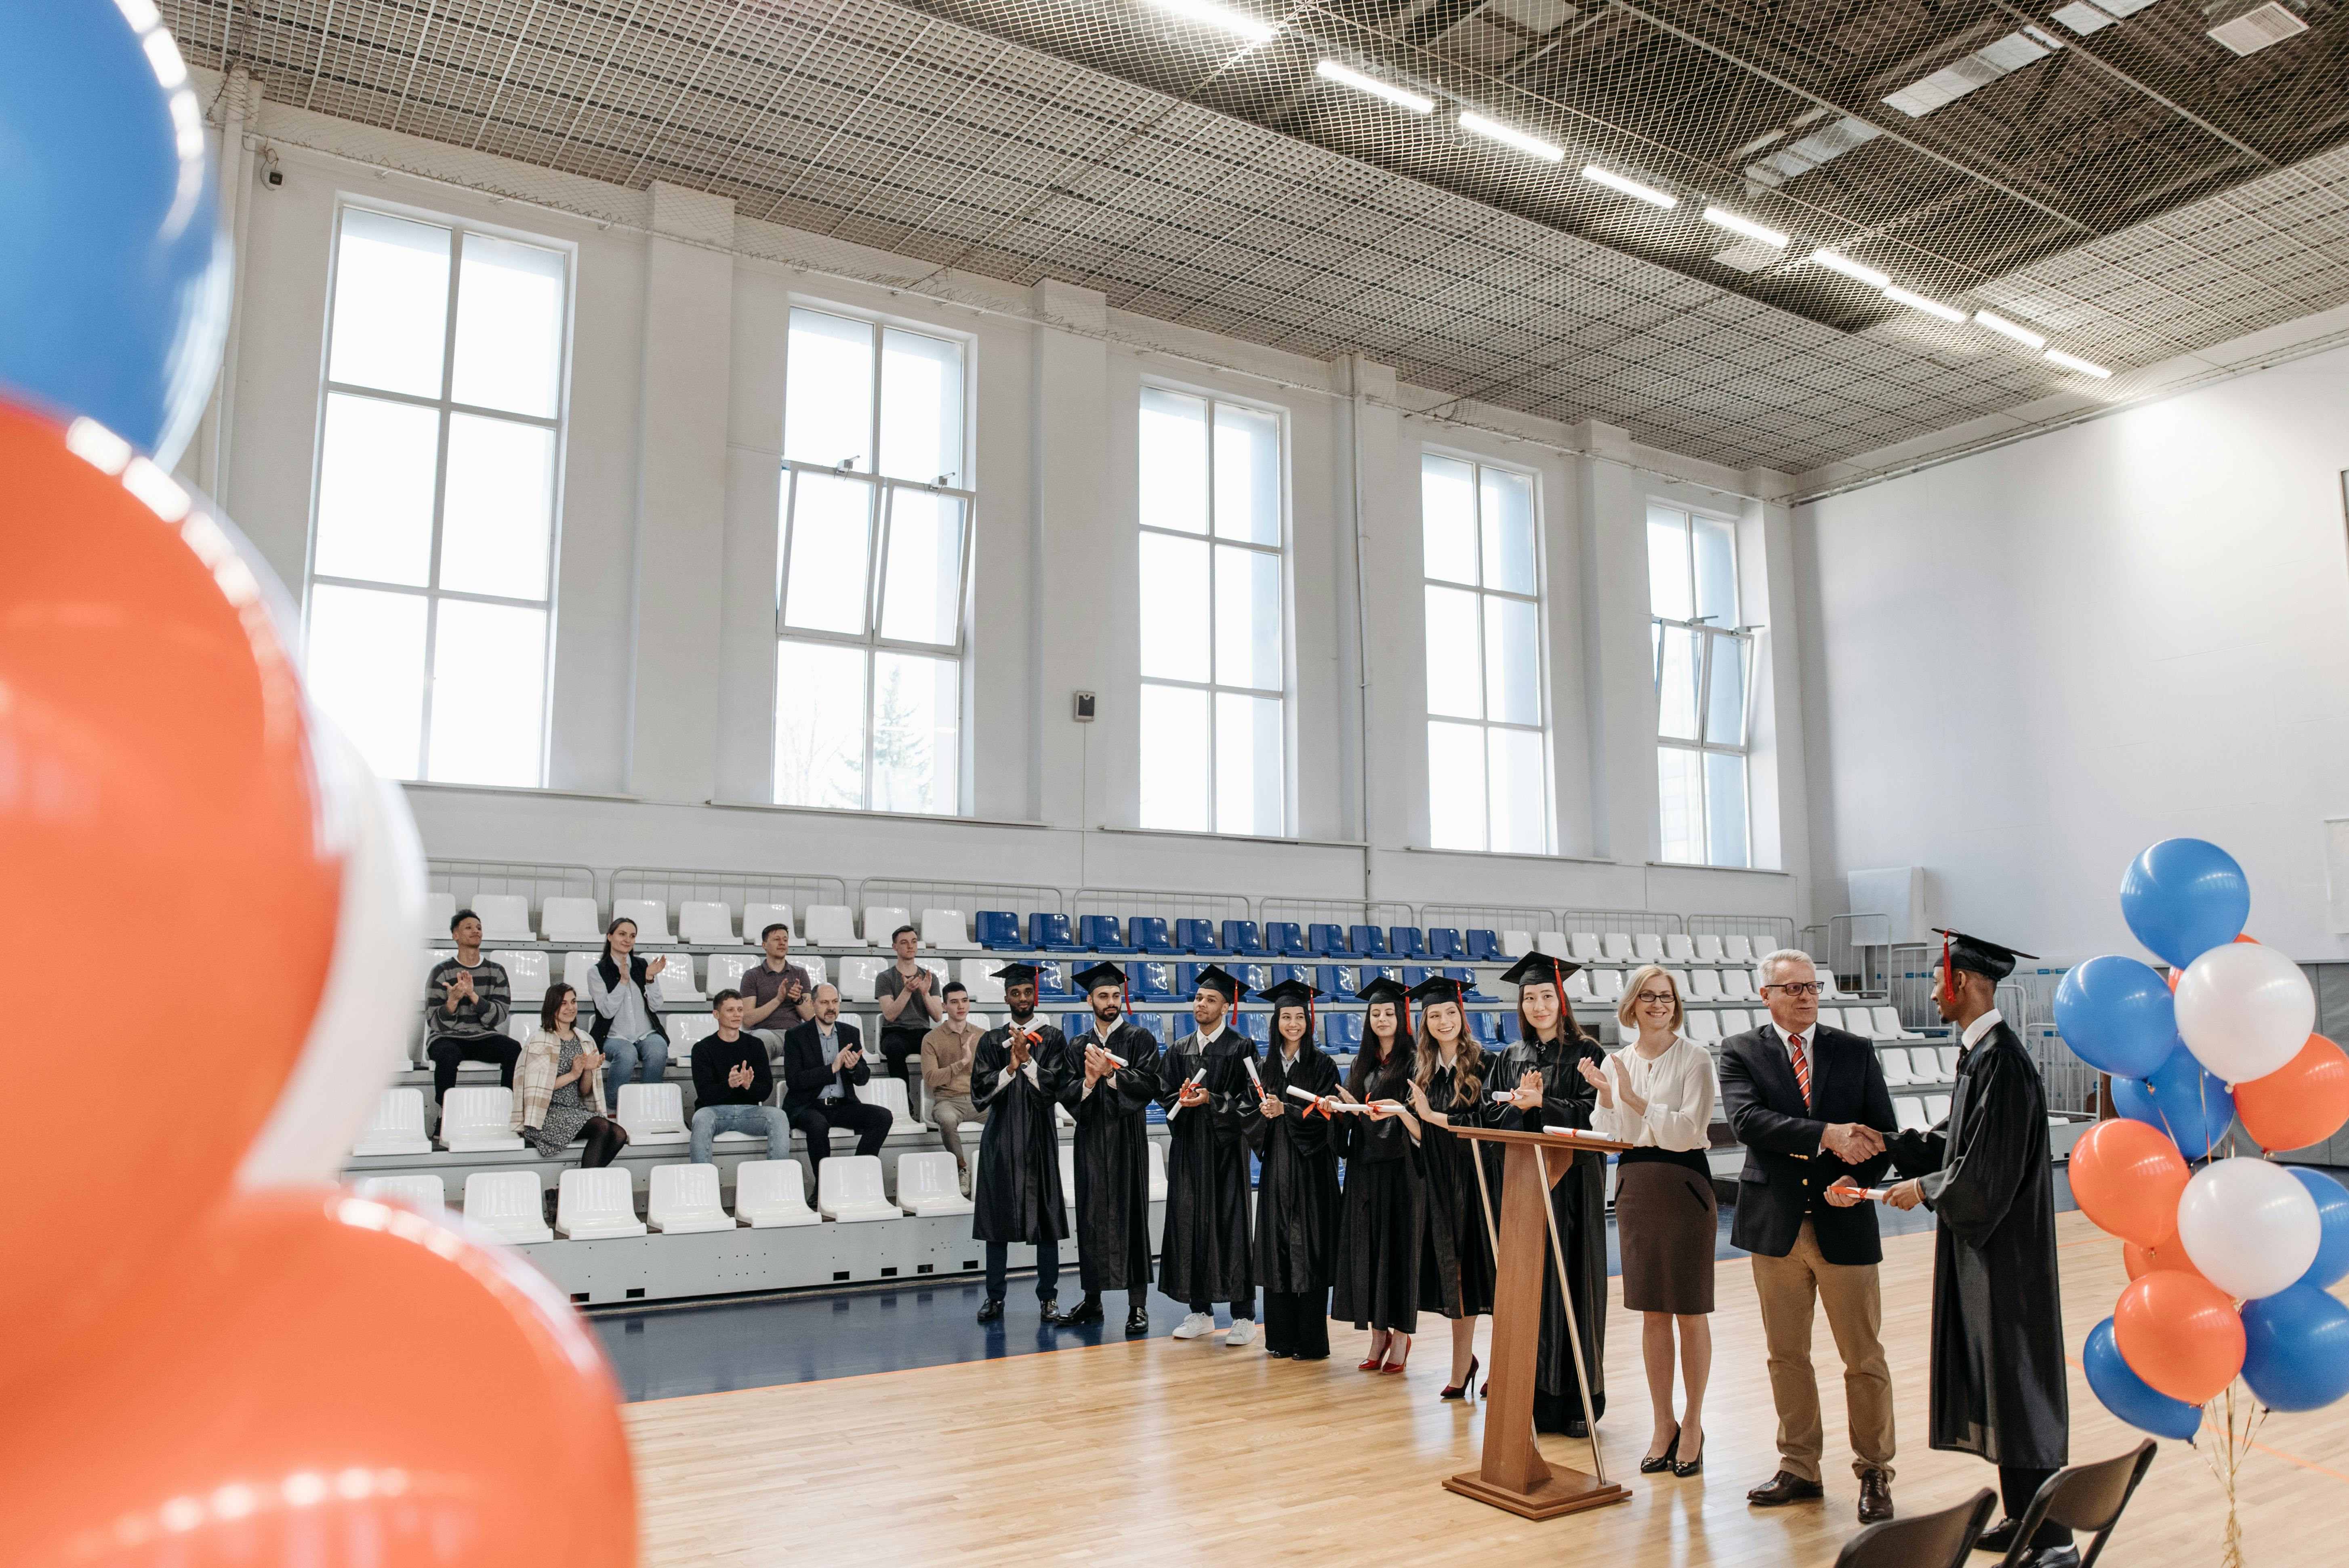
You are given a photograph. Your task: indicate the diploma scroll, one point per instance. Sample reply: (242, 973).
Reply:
(1176, 1108)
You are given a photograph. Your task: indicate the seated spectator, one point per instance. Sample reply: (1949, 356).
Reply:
(777, 992)
(624, 1025)
(909, 1003)
(465, 1006)
(732, 1082)
(947, 1052)
(823, 1061)
(561, 1090)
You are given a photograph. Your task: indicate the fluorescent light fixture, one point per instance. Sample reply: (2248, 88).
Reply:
(1631, 187)
(1894, 292)
(1209, 15)
(1494, 130)
(2021, 333)
(1347, 76)
(2074, 362)
(1857, 271)
(1745, 226)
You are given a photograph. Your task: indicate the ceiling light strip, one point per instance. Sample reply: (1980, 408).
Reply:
(1508, 136)
(1238, 23)
(1722, 217)
(2016, 330)
(2074, 362)
(1859, 272)
(1362, 82)
(1631, 187)
(1931, 307)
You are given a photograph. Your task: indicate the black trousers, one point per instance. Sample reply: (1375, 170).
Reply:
(815, 1122)
(1047, 1269)
(446, 1053)
(1239, 1308)
(2017, 1485)
(1297, 1322)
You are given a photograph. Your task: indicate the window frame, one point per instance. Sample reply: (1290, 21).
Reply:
(1710, 640)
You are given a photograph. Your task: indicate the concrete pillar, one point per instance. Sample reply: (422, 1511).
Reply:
(1619, 673)
(1778, 795)
(1077, 565)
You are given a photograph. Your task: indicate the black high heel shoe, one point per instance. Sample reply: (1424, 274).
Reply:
(1459, 1390)
(1664, 1461)
(1687, 1468)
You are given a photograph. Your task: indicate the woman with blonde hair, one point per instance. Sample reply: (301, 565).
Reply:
(1448, 1090)
(1658, 1094)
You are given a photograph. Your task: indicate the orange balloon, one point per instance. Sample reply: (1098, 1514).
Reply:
(2181, 1334)
(319, 1379)
(157, 799)
(2127, 1178)
(2304, 1101)
(2170, 1256)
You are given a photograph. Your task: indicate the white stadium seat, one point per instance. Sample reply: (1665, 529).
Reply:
(1830, 1018)
(832, 925)
(726, 971)
(1738, 985)
(1949, 1065)
(1586, 948)
(1704, 985)
(1157, 1172)
(930, 1184)
(881, 920)
(857, 974)
(1577, 985)
(704, 925)
(577, 967)
(686, 1030)
(422, 1190)
(1937, 1108)
(397, 1127)
(1887, 1025)
(1517, 943)
(1896, 1070)
(675, 982)
(1678, 949)
(520, 1024)
(1925, 1065)
(1648, 947)
(1608, 985)
(685, 1200)
(769, 1194)
(1069, 1175)
(1553, 943)
(1704, 1028)
(1708, 949)
(1827, 983)
(1679, 978)
(526, 974)
(505, 916)
(848, 1189)
(1733, 1021)
(1738, 949)
(440, 909)
(569, 920)
(757, 917)
(589, 1205)
(510, 1204)
(890, 1093)
(1617, 945)
(945, 928)
(978, 978)
(478, 1120)
(1908, 1111)
(651, 915)
(654, 1113)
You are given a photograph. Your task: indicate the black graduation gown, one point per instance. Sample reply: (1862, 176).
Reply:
(1455, 1256)
(1579, 1200)
(1297, 1185)
(1204, 1254)
(1016, 1196)
(1384, 1210)
(1113, 1159)
(1998, 1380)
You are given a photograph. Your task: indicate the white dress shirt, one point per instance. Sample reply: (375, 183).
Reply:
(1680, 1091)
(1979, 1027)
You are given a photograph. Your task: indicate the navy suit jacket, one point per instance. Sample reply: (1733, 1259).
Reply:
(1786, 1165)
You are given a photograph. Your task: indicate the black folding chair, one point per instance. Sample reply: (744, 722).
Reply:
(2085, 1498)
(1928, 1540)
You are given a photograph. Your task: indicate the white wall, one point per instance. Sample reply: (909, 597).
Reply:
(2024, 667)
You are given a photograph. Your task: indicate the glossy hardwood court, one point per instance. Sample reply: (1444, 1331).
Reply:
(1156, 1451)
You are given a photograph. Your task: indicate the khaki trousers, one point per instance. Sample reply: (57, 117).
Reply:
(1789, 1286)
(949, 1112)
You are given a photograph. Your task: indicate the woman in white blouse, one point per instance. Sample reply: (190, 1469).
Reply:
(1658, 1094)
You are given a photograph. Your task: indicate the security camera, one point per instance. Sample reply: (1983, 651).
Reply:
(271, 174)
(275, 177)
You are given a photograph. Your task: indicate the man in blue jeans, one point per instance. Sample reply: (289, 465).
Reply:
(732, 1084)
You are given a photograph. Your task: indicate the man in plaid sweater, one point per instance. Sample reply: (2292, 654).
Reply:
(465, 1005)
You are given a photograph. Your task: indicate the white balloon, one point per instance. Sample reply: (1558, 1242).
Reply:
(2245, 1010)
(2249, 1225)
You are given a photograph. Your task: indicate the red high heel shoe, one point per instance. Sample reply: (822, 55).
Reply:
(1375, 1362)
(1462, 1390)
(1395, 1369)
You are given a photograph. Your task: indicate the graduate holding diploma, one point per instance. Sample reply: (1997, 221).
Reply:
(1378, 1235)
(1111, 1104)
(1448, 1090)
(1016, 1075)
(1209, 1094)
(1296, 1189)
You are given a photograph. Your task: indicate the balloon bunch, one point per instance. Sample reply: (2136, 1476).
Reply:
(209, 1353)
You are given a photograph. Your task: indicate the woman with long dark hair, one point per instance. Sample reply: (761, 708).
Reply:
(1385, 1201)
(1448, 1090)
(620, 988)
(559, 1086)
(1297, 1186)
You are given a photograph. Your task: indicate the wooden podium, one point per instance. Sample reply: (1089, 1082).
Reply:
(1514, 1475)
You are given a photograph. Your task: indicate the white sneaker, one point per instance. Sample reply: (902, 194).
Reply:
(1195, 1326)
(1243, 1332)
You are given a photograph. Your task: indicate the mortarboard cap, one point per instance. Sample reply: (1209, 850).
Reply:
(1540, 969)
(1439, 988)
(1214, 978)
(1381, 988)
(1289, 992)
(1959, 951)
(1087, 981)
(1016, 974)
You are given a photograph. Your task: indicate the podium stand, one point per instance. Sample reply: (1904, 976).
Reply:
(1513, 1474)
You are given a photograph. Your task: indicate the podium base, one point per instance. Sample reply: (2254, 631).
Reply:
(1561, 1491)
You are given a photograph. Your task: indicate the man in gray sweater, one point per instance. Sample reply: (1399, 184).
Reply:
(465, 1005)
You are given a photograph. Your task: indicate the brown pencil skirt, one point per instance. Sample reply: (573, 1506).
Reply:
(1665, 1227)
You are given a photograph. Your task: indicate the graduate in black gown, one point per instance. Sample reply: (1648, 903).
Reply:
(1998, 1374)
(1385, 1201)
(1542, 1077)
(1448, 1090)
(1297, 1187)
(1111, 1106)
(1016, 1076)
(1209, 1095)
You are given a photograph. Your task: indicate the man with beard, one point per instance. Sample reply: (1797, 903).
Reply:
(1111, 1106)
(1016, 1078)
(1208, 1093)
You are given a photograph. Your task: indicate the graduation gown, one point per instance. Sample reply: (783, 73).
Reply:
(1016, 1195)
(1998, 1382)
(1455, 1256)
(1114, 1159)
(1384, 1211)
(1204, 1254)
(1297, 1185)
(1579, 1200)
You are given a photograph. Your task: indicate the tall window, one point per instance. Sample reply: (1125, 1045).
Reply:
(1702, 661)
(1213, 669)
(432, 551)
(875, 541)
(1487, 748)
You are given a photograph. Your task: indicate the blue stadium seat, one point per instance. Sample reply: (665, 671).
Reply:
(1371, 971)
(1100, 932)
(1255, 976)
(999, 930)
(1242, 936)
(1292, 972)
(1149, 982)
(1160, 1026)
(1413, 974)
(1053, 980)
(1344, 1033)
(1072, 1025)
(1335, 982)
(1148, 935)
(1325, 941)
(1404, 942)
(1508, 1027)
(1050, 932)
(1484, 1027)
(1366, 942)
(1485, 946)
(1462, 972)
(1197, 936)
(1257, 1026)
(1443, 942)
(1285, 936)
(1186, 981)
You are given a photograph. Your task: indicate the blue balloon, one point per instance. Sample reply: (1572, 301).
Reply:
(113, 272)
(2183, 1099)
(2297, 1348)
(2183, 897)
(2129, 1396)
(2332, 1211)
(2118, 1016)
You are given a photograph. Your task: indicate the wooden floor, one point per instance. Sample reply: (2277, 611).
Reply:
(1155, 1451)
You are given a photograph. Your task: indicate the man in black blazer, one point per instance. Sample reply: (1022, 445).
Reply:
(1810, 1106)
(823, 1061)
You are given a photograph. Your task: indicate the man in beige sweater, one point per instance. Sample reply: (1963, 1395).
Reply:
(947, 1054)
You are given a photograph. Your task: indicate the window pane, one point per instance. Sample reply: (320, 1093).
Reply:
(365, 666)
(1725, 796)
(1174, 462)
(375, 490)
(1248, 618)
(508, 326)
(824, 591)
(1676, 684)
(922, 596)
(1175, 630)
(1679, 805)
(1508, 531)
(1447, 518)
(1456, 786)
(1174, 754)
(1247, 475)
(921, 408)
(1716, 570)
(1453, 677)
(828, 391)
(1247, 765)
(1724, 698)
(916, 712)
(1512, 661)
(819, 725)
(1668, 564)
(391, 303)
(489, 694)
(498, 513)
(1520, 802)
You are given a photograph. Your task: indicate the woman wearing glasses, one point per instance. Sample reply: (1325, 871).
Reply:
(1658, 1094)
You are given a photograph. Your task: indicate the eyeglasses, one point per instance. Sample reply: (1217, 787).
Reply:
(1799, 988)
(1664, 997)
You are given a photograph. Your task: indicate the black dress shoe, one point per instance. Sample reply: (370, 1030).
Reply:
(1576, 1428)
(1049, 1309)
(991, 1309)
(1086, 1311)
(1278, 1355)
(1659, 1463)
(1998, 1537)
(1137, 1322)
(1783, 1489)
(1875, 1497)
(2054, 1557)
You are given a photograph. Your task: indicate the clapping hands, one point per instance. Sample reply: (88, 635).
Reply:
(740, 1075)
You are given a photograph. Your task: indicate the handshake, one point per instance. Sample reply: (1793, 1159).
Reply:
(1852, 1143)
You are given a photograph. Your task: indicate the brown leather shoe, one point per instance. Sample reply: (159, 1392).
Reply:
(1875, 1497)
(1785, 1488)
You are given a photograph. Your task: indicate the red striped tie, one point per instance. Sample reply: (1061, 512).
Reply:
(1801, 1067)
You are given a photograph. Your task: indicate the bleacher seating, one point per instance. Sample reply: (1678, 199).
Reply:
(978, 975)
(1243, 937)
(1099, 933)
(1051, 978)
(1737, 985)
(1678, 949)
(1616, 945)
(1148, 933)
(1485, 945)
(675, 982)
(1158, 1171)
(1738, 949)
(831, 925)
(1484, 1027)
(770, 1193)
(651, 917)
(1517, 943)
(1197, 936)
(1464, 973)
(1583, 948)
(684, 1030)
(1051, 933)
(1648, 947)
(1285, 936)
(858, 975)
(474, 1121)
(999, 931)
(946, 930)
(930, 1183)
(685, 1200)
(1703, 1027)
(422, 1192)
(1406, 941)
(509, 1204)
(654, 1114)
(1936, 1108)
(848, 1189)
(1896, 1070)
(1163, 1027)
(505, 917)
(398, 1125)
(1443, 942)
(1337, 982)
(1606, 985)
(526, 974)
(1555, 943)
(569, 920)
(757, 917)
(1149, 981)
(726, 971)
(1949, 1055)
(881, 922)
(1325, 940)
(1256, 1025)
(1887, 1025)
(889, 1093)
(704, 925)
(1578, 986)
(440, 909)
(1908, 1111)
(1704, 986)
(1830, 1018)
(592, 1204)
(1342, 1032)
(1708, 949)
(1255, 976)
(1736, 1020)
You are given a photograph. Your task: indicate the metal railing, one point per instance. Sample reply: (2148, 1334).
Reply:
(468, 880)
(672, 887)
(1628, 921)
(1487, 917)
(1126, 903)
(1766, 931)
(1334, 912)
(970, 897)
